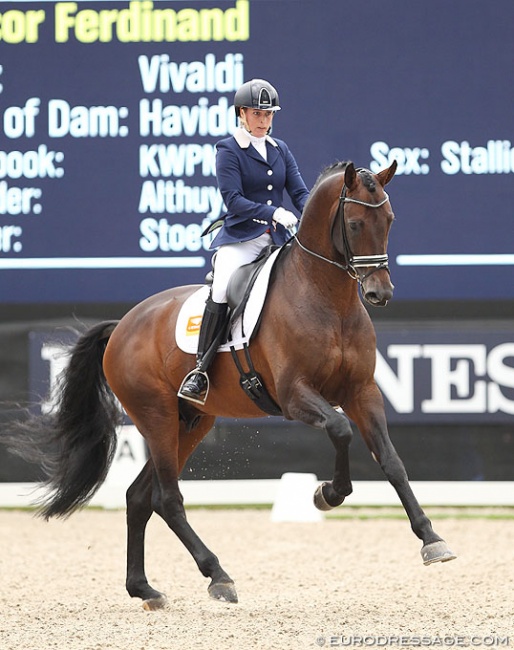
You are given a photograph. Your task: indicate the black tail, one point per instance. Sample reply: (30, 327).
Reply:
(75, 445)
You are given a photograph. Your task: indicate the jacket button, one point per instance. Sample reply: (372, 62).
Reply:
(270, 172)
(270, 187)
(269, 202)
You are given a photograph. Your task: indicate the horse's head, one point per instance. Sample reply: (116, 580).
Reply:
(360, 231)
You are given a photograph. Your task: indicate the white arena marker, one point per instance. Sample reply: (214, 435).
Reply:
(294, 499)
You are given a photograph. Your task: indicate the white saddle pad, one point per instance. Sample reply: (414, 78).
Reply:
(191, 313)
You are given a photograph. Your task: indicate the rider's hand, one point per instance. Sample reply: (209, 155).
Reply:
(284, 217)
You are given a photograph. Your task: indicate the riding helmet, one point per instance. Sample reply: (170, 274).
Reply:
(256, 93)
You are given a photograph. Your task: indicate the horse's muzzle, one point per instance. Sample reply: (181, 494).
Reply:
(377, 293)
(374, 299)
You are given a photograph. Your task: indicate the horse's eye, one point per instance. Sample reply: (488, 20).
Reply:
(354, 226)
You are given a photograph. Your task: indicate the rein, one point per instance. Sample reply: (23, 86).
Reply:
(353, 262)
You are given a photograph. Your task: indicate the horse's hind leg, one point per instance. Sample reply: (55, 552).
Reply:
(139, 511)
(161, 494)
(368, 412)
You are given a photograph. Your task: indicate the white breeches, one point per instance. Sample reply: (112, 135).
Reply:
(230, 257)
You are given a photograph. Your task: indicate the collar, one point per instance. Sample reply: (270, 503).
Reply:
(243, 139)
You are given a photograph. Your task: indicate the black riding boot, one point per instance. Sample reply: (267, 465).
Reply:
(196, 384)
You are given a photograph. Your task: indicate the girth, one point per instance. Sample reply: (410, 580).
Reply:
(238, 293)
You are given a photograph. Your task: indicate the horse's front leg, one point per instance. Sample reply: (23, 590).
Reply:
(310, 407)
(367, 410)
(331, 494)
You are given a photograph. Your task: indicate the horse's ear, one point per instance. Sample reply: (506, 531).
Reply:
(387, 174)
(350, 176)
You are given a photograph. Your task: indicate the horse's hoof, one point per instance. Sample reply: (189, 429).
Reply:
(152, 604)
(436, 552)
(319, 498)
(225, 591)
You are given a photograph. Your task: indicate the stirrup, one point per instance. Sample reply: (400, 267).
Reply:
(201, 397)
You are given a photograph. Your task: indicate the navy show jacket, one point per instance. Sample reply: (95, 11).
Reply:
(252, 188)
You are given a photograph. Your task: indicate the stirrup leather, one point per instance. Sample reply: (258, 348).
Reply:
(202, 396)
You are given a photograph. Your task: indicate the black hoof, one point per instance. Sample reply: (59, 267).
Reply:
(326, 498)
(224, 591)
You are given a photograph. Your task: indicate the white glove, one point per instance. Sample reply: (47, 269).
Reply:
(284, 217)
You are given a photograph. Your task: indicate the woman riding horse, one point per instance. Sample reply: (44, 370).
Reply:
(252, 170)
(314, 299)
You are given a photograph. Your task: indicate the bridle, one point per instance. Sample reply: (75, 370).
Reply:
(353, 262)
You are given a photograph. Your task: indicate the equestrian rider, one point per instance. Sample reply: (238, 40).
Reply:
(252, 171)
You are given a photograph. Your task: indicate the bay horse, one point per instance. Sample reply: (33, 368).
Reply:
(315, 351)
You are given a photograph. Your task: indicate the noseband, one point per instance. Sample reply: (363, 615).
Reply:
(353, 262)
